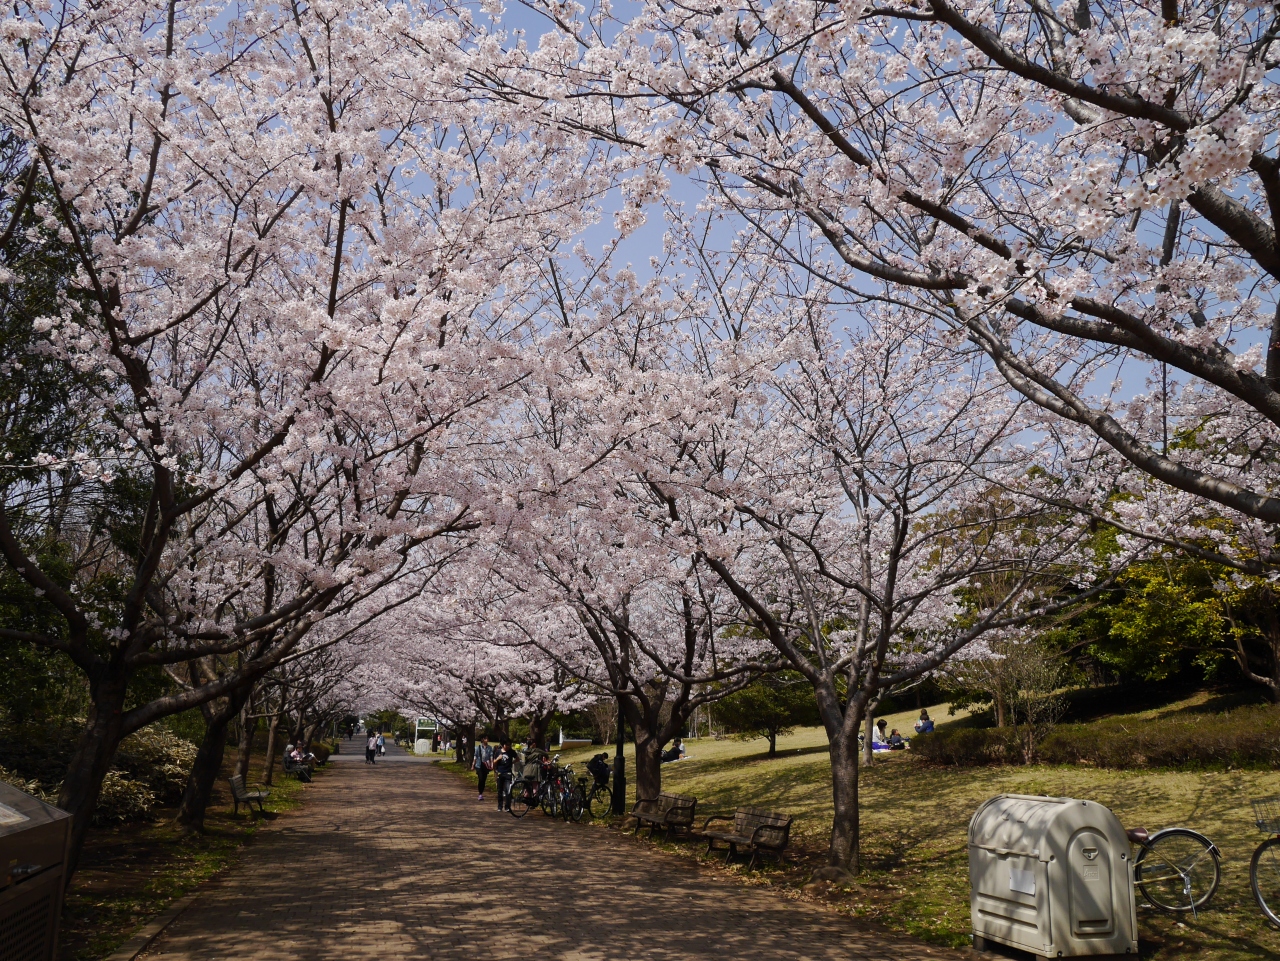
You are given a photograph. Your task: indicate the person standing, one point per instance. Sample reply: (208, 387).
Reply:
(503, 765)
(382, 743)
(483, 763)
(370, 749)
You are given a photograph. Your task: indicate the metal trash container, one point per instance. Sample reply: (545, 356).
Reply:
(33, 855)
(1052, 876)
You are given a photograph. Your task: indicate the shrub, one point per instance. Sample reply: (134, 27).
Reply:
(34, 788)
(157, 759)
(322, 750)
(1247, 737)
(123, 799)
(968, 747)
(150, 769)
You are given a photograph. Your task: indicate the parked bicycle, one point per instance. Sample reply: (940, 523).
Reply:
(1176, 869)
(573, 797)
(1264, 869)
(529, 785)
(599, 794)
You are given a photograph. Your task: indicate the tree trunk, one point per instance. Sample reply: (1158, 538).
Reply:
(867, 753)
(269, 769)
(843, 852)
(1001, 720)
(538, 729)
(468, 753)
(308, 735)
(208, 762)
(773, 744)
(91, 760)
(648, 763)
(248, 728)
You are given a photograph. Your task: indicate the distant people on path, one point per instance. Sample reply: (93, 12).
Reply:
(483, 762)
(444, 743)
(371, 749)
(504, 763)
(924, 725)
(382, 743)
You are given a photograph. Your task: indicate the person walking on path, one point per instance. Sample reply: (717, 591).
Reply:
(483, 763)
(503, 765)
(382, 744)
(371, 749)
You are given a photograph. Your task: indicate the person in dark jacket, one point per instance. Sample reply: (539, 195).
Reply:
(503, 765)
(483, 762)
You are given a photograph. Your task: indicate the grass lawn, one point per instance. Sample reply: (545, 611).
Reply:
(914, 823)
(129, 874)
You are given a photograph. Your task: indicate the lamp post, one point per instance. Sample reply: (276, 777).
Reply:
(619, 799)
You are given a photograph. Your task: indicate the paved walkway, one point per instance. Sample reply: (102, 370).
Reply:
(352, 749)
(400, 861)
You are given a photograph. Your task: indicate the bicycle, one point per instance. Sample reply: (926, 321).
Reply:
(522, 794)
(1176, 869)
(572, 800)
(599, 799)
(1264, 869)
(549, 795)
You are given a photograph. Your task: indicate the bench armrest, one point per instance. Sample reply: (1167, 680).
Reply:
(716, 817)
(643, 800)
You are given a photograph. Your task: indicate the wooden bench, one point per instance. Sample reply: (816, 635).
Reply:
(752, 829)
(667, 811)
(242, 795)
(298, 769)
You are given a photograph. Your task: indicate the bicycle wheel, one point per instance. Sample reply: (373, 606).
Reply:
(1264, 878)
(599, 802)
(1178, 870)
(521, 798)
(575, 804)
(551, 800)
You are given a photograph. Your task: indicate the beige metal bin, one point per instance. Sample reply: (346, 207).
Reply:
(33, 854)
(1052, 876)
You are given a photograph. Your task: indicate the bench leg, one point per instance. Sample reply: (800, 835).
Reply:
(751, 864)
(730, 852)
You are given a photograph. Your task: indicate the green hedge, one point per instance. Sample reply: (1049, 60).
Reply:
(1246, 737)
(150, 769)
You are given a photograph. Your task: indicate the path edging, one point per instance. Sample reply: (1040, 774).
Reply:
(143, 939)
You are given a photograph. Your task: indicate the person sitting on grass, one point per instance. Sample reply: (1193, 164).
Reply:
(896, 741)
(924, 725)
(880, 736)
(674, 753)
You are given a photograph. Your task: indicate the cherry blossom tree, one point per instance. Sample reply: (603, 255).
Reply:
(1085, 191)
(292, 233)
(889, 486)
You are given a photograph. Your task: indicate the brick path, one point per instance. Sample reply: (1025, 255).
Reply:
(401, 861)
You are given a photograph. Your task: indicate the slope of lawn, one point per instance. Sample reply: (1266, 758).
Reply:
(915, 868)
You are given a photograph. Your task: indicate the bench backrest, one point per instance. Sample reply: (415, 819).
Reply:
(674, 808)
(679, 808)
(237, 786)
(774, 828)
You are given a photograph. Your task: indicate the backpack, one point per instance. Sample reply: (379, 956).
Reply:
(599, 768)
